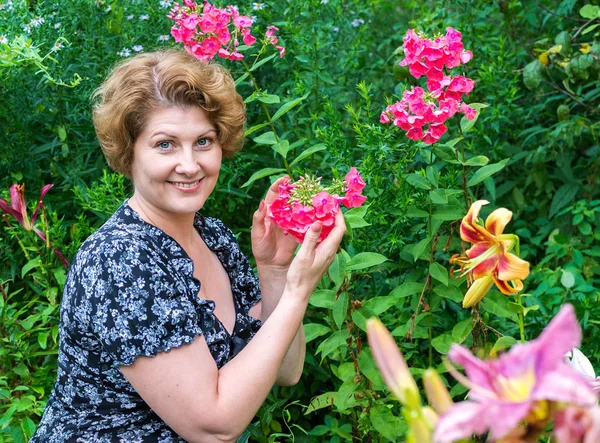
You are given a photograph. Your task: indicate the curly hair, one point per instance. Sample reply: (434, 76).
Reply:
(140, 85)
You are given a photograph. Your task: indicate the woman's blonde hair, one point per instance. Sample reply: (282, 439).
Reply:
(155, 80)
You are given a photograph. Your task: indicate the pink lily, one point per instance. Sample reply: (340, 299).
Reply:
(18, 210)
(518, 387)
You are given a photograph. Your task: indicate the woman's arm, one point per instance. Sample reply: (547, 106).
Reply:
(204, 404)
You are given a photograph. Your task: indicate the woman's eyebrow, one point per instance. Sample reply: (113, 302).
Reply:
(164, 134)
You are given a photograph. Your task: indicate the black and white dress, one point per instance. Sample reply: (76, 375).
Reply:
(131, 292)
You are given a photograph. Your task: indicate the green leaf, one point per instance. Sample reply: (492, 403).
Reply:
(442, 343)
(340, 308)
(449, 292)
(28, 427)
(325, 400)
(62, 133)
(323, 298)
(364, 260)
(265, 172)
(563, 197)
(480, 160)
(335, 342)
(417, 249)
(405, 290)
(268, 138)
(386, 423)
(461, 330)
(438, 197)
(31, 264)
(367, 366)
(43, 339)
(281, 148)
(503, 343)
(449, 213)
(315, 330)
(337, 269)
(21, 370)
(418, 181)
(532, 74)
(262, 62)
(286, 107)
(255, 128)
(590, 11)
(269, 99)
(359, 319)
(439, 272)
(482, 173)
(308, 152)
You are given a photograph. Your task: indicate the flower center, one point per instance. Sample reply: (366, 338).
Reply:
(516, 389)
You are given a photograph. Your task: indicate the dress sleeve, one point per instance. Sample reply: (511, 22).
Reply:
(142, 307)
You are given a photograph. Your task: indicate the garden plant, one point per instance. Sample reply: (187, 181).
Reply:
(460, 140)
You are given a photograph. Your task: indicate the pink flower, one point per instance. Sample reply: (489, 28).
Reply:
(505, 391)
(281, 50)
(577, 425)
(249, 40)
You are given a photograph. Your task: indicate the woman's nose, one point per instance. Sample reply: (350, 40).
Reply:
(188, 163)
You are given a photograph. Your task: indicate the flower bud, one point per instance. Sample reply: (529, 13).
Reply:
(436, 391)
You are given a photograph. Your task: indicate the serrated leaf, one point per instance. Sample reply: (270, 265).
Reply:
(486, 171)
(364, 260)
(308, 152)
(439, 272)
(265, 172)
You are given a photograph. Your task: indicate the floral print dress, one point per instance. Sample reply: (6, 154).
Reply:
(131, 292)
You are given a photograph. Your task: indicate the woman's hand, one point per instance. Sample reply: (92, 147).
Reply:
(313, 260)
(272, 249)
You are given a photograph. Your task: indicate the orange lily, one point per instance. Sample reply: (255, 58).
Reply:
(490, 260)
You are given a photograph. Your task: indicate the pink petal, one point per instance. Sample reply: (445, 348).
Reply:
(477, 370)
(559, 336)
(565, 385)
(460, 422)
(45, 189)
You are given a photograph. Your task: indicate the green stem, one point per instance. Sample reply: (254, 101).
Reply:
(521, 319)
(268, 114)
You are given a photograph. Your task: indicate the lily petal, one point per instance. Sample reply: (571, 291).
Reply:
(391, 364)
(477, 370)
(468, 228)
(506, 288)
(511, 267)
(45, 189)
(578, 361)
(488, 265)
(559, 337)
(477, 291)
(565, 384)
(497, 221)
(17, 201)
(460, 422)
(8, 209)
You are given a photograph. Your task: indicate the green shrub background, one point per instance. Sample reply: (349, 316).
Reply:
(344, 55)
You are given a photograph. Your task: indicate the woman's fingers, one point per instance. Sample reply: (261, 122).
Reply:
(335, 236)
(273, 191)
(309, 244)
(258, 220)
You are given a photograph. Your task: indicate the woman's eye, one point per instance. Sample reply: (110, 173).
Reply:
(204, 142)
(164, 145)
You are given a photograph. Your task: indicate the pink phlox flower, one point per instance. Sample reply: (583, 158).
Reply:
(281, 50)
(354, 186)
(190, 4)
(384, 118)
(434, 132)
(211, 45)
(182, 34)
(504, 391)
(324, 204)
(248, 38)
(469, 112)
(270, 34)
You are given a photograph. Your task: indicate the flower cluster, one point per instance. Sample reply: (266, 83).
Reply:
(207, 31)
(423, 113)
(306, 201)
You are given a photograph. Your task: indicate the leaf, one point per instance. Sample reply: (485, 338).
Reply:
(286, 107)
(262, 62)
(308, 152)
(268, 138)
(406, 290)
(449, 213)
(364, 260)
(438, 197)
(532, 74)
(461, 330)
(439, 272)
(567, 279)
(335, 342)
(367, 366)
(281, 148)
(315, 330)
(418, 181)
(480, 160)
(255, 128)
(265, 172)
(442, 343)
(320, 402)
(503, 343)
(62, 133)
(590, 11)
(269, 99)
(337, 269)
(386, 423)
(323, 298)
(31, 264)
(340, 308)
(482, 173)
(563, 196)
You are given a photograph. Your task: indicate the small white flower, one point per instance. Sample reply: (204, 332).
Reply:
(37, 22)
(138, 48)
(27, 28)
(108, 9)
(324, 2)
(57, 46)
(357, 22)
(129, 17)
(2, 6)
(124, 53)
(335, 29)
(258, 6)
(144, 17)
(165, 3)
(56, 25)
(163, 38)
(3, 39)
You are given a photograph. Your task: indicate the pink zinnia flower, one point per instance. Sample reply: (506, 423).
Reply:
(503, 392)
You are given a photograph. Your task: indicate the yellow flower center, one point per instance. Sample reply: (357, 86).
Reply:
(516, 389)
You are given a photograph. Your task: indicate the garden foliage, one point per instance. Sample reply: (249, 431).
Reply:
(527, 140)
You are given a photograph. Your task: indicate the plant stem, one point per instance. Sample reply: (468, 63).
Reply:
(521, 319)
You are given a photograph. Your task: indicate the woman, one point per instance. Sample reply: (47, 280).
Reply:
(164, 335)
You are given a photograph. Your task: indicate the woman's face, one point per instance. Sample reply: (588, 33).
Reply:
(176, 160)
